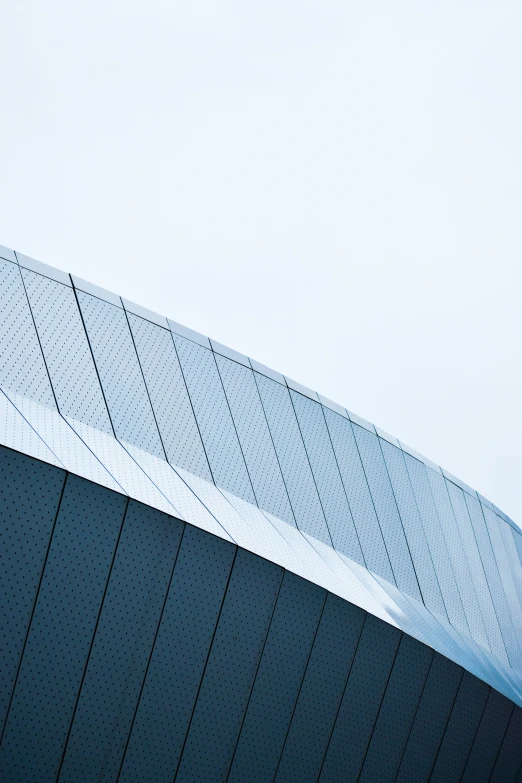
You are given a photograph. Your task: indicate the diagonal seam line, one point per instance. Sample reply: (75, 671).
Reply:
(87, 660)
(167, 592)
(34, 606)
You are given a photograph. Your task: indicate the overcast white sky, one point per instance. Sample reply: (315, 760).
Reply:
(331, 187)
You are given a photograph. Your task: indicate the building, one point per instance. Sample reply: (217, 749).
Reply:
(213, 573)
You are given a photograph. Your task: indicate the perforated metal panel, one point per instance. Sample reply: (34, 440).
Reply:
(22, 367)
(213, 416)
(66, 350)
(292, 458)
(327, 477)
(120, 373)
(386, 508)
(254, 436)
(169, 396)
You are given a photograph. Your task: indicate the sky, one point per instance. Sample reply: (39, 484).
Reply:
(333, 188)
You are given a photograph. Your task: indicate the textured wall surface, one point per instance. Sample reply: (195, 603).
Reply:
(137, 647)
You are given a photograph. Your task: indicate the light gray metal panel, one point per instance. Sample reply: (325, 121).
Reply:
(298, 387)
(44, 269)
(413, 529)
(168, 394)
(254, 437)
(292, 457)
(358, 494)
(143, 312)
(327, 477)
(8, 254)
(190, 334)
(367, 425)
(66, 350)
(513, 554)
(496, 589)
(22, 366)
(434, 536)
(95, 290)
(213, 416)
(333, 406)
(493, 523)
(387, 513)
(458, 558)
(460, 510)
(267, 371)
(224, 350)
(120, 373)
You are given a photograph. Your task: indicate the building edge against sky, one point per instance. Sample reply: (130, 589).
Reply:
(151, 471)
(83, 285)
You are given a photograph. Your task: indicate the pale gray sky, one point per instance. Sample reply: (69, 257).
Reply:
(331, 187)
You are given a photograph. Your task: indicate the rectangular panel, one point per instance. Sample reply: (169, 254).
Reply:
(122, 644)
(230, 670)
(509, 759)
(413, 529)
(254, 437)
(30, 492)
(66, 350)
(327, 477)
(437, 545)
(461, 730)
(61, 631)
(358, 494)
(430, 721)
(458, 558)
(178, 659)
(214, 420)
(387, 513)
(292, 458)
(120, 373)
(278, 680)
(478, 576)
(361, 701)
(321, 692)
(488, 739)
(22, 367)
(493, 523)
(507, 629)
(397, 713)
(169, 397)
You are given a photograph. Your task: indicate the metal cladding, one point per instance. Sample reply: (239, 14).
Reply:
(215, 573)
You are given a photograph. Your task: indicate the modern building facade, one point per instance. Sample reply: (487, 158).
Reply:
(212, 573)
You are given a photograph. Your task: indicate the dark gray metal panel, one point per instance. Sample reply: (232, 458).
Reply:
(321, 692)
(29, 496)
(488, 740)
(461, 729)
(178, 659)
(124, 636)
(361, 702)
(509, 759)
(60, 635)
(430, 721)
(231, 668)
(276, 687)
(397, 712)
